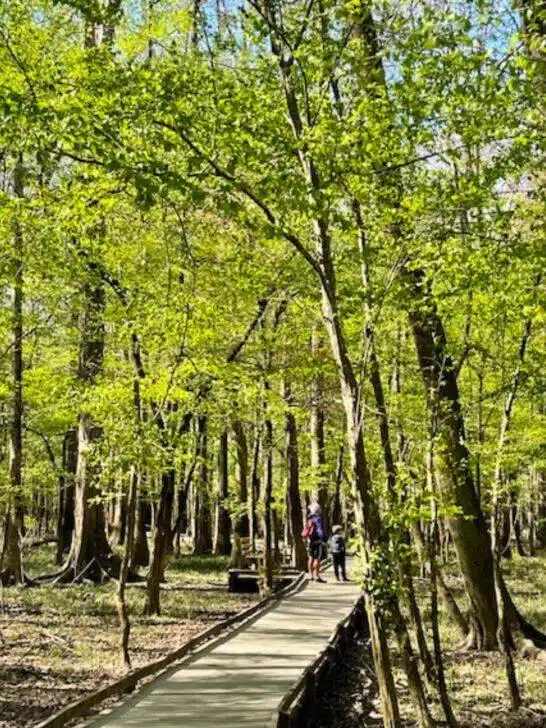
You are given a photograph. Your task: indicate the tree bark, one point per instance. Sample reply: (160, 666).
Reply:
(141, 550)
(337, 511)
(160, 541)
(89, 542)
(65, 514)
(202, 521)
(123, 614)
(255, 486)
(268, 496)
(318, 447)
(222, 541)
(469, 529)
(299, 553)
(541, 508)
(242, 520)
(12, 572)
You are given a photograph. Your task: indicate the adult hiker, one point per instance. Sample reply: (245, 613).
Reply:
(315, 535)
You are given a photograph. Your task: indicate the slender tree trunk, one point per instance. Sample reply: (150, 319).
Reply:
(515, 519)
(438, 657)
(433, 549)
(366, 511)
(318, 447)
(293, 482)
(541, 508)
(202, 525)
(123, 614)
(469, 529)
(255, 486)
(160, 540)
(141, 551)
(268, 496)
(222, 541)
(12, 558)
(182, 499)
(505, 637)
(65, 515)
(337, 511)
(391, 477)
(242, 520)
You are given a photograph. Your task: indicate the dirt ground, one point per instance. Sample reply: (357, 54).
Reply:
(59, 644)
(476, 681)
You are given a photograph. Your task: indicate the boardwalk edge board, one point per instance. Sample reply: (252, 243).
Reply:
(128, 682)
(298, 705)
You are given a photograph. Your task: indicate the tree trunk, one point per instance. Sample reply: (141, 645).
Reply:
(469, 529)
(12, 571)
(515, 520)
(337, 511)
(366, 511)
(299, 553)
(242, 521)
(438, 657)
(541, 508)
(123, 614)
(160, 541)
(393, 496)
(268, 497)
(255, 487)
(118, 525)
(222, 541)
(90, 549)
(65, 515)
(202, 521)
(182, 500)
(318, 447)
(141, 551)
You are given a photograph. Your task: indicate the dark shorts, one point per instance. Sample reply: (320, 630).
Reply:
(314, 548)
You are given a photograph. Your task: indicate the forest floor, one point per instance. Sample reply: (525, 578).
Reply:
(59, 644)
(476, 681)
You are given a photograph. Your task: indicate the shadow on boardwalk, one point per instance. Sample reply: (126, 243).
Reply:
(240, 680)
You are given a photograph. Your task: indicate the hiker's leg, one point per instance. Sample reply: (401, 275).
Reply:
(311, 565)
(336, 565)
(343, 569)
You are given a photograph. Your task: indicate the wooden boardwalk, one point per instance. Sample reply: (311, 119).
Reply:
(239, 681)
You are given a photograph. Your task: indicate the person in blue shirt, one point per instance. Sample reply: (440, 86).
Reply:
(315, 535)
(337, 548)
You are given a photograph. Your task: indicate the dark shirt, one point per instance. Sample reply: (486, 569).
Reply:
(338, 544)
(320, 534)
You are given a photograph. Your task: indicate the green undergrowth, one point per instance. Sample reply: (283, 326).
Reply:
(180, 600)
(198, 569)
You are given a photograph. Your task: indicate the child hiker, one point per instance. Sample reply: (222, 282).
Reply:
(337, 548)
(313, 532)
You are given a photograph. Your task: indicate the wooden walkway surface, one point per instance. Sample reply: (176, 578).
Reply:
(239, 681)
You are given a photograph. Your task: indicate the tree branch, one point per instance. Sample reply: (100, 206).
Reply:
(247, 192)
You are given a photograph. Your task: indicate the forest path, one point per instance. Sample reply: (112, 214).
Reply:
(241, 680)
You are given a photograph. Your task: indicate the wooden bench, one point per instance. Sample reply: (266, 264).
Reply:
(244, 581)
(247, 581)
